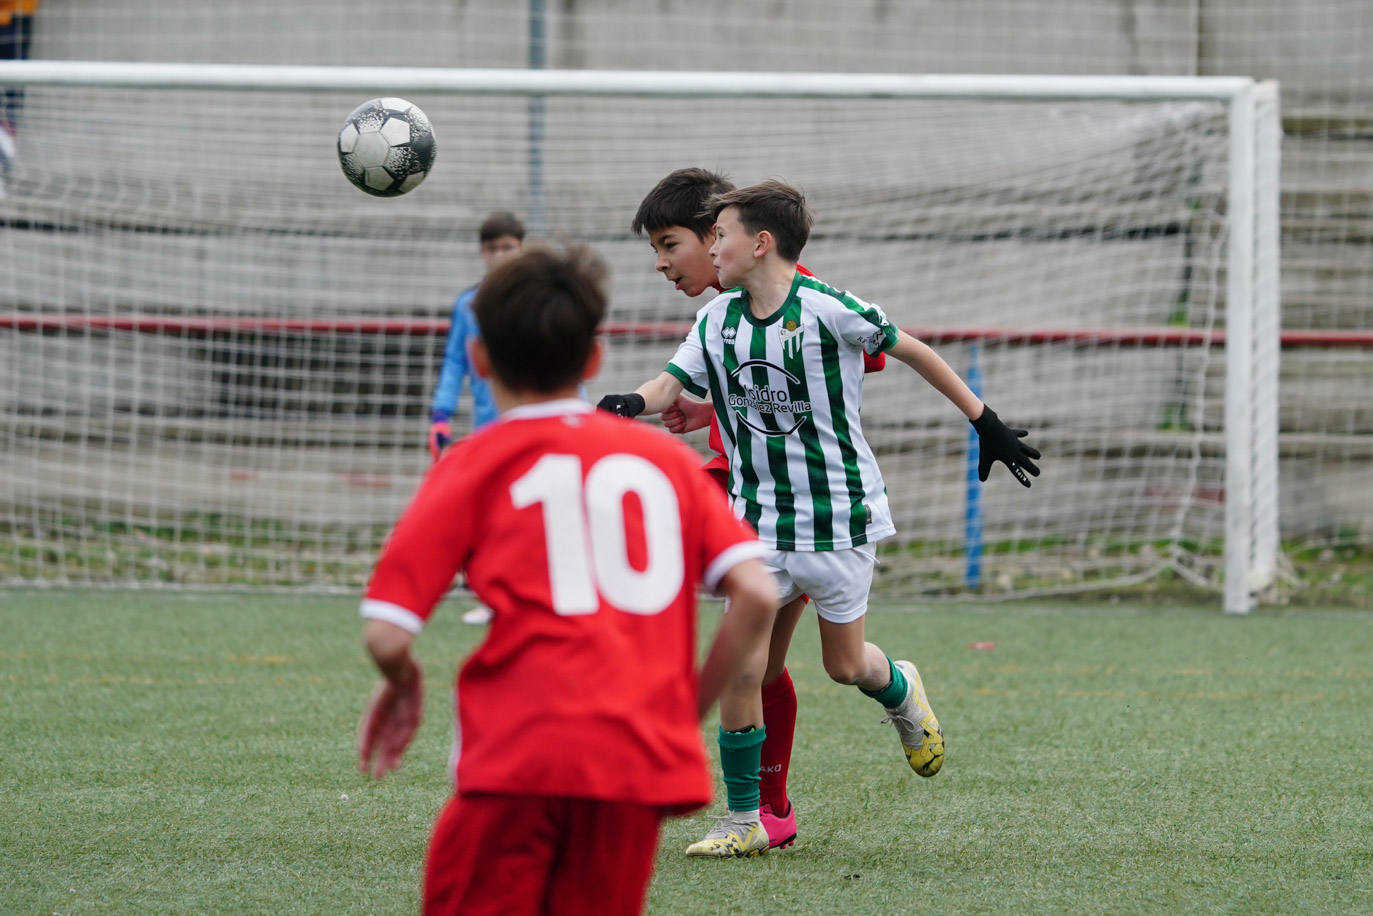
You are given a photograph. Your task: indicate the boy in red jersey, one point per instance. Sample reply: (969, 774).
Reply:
(681, 228)
(578, 716)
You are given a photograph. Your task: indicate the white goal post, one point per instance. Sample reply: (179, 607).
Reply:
(1238, 252)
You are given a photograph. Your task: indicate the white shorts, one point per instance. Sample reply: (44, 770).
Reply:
(837, 581)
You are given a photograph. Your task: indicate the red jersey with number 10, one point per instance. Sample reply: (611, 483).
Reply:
(586, 534)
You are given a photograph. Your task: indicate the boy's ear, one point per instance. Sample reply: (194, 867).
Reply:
(479, 357)
(763, 243)
(593, 360)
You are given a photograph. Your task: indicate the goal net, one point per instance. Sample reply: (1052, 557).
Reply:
(216, 356)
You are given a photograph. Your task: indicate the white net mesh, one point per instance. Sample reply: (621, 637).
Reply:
(1317, 49)
(222, 371)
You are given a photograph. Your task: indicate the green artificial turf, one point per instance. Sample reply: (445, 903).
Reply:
(166, 751)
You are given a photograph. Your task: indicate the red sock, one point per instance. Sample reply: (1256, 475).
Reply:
(779, 718)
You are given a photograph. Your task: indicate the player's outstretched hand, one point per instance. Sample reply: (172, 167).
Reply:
(998, 442)
(687, 414)
(623, 405)
(388, 725)
(440, 437)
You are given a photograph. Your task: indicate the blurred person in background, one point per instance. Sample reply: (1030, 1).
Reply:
(16, 37)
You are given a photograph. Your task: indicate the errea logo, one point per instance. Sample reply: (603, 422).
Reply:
(729, 333)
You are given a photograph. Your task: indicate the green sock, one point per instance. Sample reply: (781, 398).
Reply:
(741, 754)
(891, 695)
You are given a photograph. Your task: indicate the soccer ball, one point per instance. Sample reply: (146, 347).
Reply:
(386, 147)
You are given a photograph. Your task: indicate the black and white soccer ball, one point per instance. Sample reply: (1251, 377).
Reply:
(386, 147)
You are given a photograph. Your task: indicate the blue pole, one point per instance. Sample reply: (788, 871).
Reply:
(972, 504)
(538, 60)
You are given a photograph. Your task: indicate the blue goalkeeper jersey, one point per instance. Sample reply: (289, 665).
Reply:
(457, 368)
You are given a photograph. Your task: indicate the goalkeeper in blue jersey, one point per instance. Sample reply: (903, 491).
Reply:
(780, 354)
(500, 236)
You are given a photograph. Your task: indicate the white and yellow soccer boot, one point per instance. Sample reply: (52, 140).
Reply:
(921, 737)
(733, 836)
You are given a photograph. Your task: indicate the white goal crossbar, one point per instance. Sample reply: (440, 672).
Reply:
(1252, 320)
(666, 83)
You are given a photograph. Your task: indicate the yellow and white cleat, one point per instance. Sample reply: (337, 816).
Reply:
(733, 837)
(921, 737)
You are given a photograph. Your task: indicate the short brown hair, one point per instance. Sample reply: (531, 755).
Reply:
(538, 312)
(771, 205)
(499, 224)
(680, 200)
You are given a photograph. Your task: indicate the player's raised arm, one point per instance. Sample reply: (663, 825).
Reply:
(996, 441)
(652, 397)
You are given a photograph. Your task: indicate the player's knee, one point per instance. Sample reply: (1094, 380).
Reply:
(844, 670)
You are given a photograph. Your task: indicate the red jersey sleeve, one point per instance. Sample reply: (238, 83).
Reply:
(429, 544)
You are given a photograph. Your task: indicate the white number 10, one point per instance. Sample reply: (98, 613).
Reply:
(584, 531)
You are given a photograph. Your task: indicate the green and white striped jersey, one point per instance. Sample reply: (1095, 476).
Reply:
(787, 391)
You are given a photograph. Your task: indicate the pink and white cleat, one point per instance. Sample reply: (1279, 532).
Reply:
(781, 830)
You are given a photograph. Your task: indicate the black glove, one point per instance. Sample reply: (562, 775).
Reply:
(998, 442)
(622, 405)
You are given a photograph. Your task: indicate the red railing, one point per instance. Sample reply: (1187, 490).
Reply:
(194, 326)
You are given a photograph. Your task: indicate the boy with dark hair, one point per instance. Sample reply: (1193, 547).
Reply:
(678, 202)
(578, 715)
(779, 354)
(501, 234)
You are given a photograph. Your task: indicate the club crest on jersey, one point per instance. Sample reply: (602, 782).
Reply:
(791, 338)
(767, 402)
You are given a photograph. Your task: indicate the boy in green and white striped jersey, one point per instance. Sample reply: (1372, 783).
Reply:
(780, 355)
